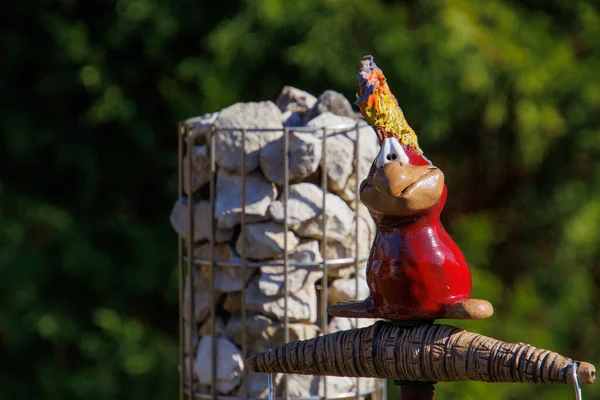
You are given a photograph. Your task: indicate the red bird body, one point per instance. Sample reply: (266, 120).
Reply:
(415, 270)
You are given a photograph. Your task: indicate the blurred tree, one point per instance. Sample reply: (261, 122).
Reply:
(504, 94)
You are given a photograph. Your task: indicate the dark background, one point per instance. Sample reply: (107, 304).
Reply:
(504, 94)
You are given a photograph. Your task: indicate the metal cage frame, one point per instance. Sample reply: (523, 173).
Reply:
(186, 139)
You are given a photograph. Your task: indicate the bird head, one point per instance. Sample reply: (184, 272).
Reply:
(402, 181)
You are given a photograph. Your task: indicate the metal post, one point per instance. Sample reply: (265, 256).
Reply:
(181, 130)
(384, 390)
(356, 220)
(286, 193)
(325, 282)
(190, 246)
(213, 267)
(244, 269)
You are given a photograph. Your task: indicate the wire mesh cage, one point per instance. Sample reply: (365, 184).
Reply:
(193, 384)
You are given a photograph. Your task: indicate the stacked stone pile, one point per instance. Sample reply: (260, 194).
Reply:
(264, 233)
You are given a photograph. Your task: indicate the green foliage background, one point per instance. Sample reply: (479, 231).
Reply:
(504, 94)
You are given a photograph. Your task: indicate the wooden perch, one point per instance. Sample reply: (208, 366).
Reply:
(426, 353)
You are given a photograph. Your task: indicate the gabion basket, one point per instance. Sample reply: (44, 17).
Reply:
(188, 384)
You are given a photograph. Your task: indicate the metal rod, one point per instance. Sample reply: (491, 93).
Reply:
(244, 269)
(384, 389)
(270, 388)
(190, 245)
(341, 262)
(213, 300)
(575, 382)
(356, 220)
(180, 133)
(286, 194)
(306, 129)
(324, 282)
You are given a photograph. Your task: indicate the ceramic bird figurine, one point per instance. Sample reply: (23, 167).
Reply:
(415, 270)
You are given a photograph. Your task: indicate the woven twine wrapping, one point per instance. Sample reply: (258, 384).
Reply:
(430, 353)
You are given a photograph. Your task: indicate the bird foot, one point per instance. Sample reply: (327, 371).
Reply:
(470, 309)
(464, 309)
(352, 309)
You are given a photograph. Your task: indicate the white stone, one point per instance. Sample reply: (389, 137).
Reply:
(362, 272)
(227, 279)
(304, 149)
(369, 383)
(336, 385)
(228, 207)
(228, 144)
(258, 384)
(201, 217)
(206, 328)
(305, 202)
(202, 389)
(300, 386)
(345, 289)
(200, 168)
(199, 127)
(190, 336)
(339, 221)
(292, 119)
(343, 271)
(340, 271)
(337, 324)
(223, 235)
(201, 297)
(311, 386)
(348, 193)
(345, 248)
(348, 270)
(271, 281)
(229, 364)
(302, 305)
(332, 102)
(264, 333)
(265, 240)
(368, 148)
(340, 150)
(296, 100)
